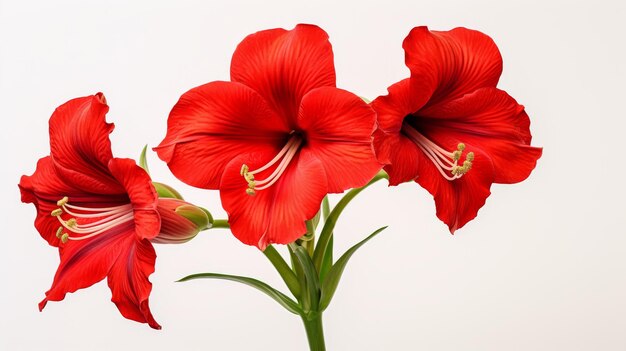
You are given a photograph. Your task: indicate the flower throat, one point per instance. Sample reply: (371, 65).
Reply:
(285, 155)
(446, 162)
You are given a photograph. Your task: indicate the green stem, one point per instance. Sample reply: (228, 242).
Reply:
(314, 331)
(220, 223)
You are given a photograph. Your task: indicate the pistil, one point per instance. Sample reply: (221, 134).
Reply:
(285, 155)
(446, 162)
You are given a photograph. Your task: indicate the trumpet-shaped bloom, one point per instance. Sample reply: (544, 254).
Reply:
(449, 128)
(101, 212)
(275, 139)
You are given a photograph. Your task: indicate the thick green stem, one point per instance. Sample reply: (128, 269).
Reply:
(314, 331)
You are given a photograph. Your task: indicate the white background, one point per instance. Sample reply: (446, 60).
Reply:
(542, 268)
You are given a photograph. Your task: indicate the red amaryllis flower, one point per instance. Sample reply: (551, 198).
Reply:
(449, 128)
(100, 211)
(275, 139)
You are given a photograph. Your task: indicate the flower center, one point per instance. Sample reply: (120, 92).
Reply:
(285, 156)
(80, 226)
(447, 162)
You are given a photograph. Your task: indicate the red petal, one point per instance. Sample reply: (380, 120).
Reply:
(142, 195)
(212, 124)
(276, 214)
(451, 63)
(284, 65)
(459, 200)
(383, 145)
(86, 262)
(44, 188)
(493, 121)
(338, 126)
(129, 283)
(80, 145)
(402, 100)
(404, 160)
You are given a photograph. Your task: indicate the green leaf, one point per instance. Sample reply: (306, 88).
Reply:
(289, 277)
(334, 275)
(279, 297)
(315, 221)
(312, 280)
(325, 208)
(304, 298)
(327, 262)
(331, 221)
(143, 163)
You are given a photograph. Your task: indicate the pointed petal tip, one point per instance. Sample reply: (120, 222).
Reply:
(43, 304)
(101, 98)
(145, 310)
(152, 323)
(164, 151)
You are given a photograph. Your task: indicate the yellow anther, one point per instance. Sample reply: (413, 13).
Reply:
(63, 201)
(251, 184)
(57, 212)
(59, 232)
(467, 165)
(244, 170)
(250, 192)
(458, 171)
(71, 223)
(456, 155)
(249, 177)
(65, 237)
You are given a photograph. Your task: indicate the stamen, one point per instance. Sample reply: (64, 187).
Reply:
(286, 154)
(97, 209)
(110, 217)
(104, 220)
(445, 161)
(279, 156)
(63, 201)
(86, 229)
(71, 223)
(119, 209)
